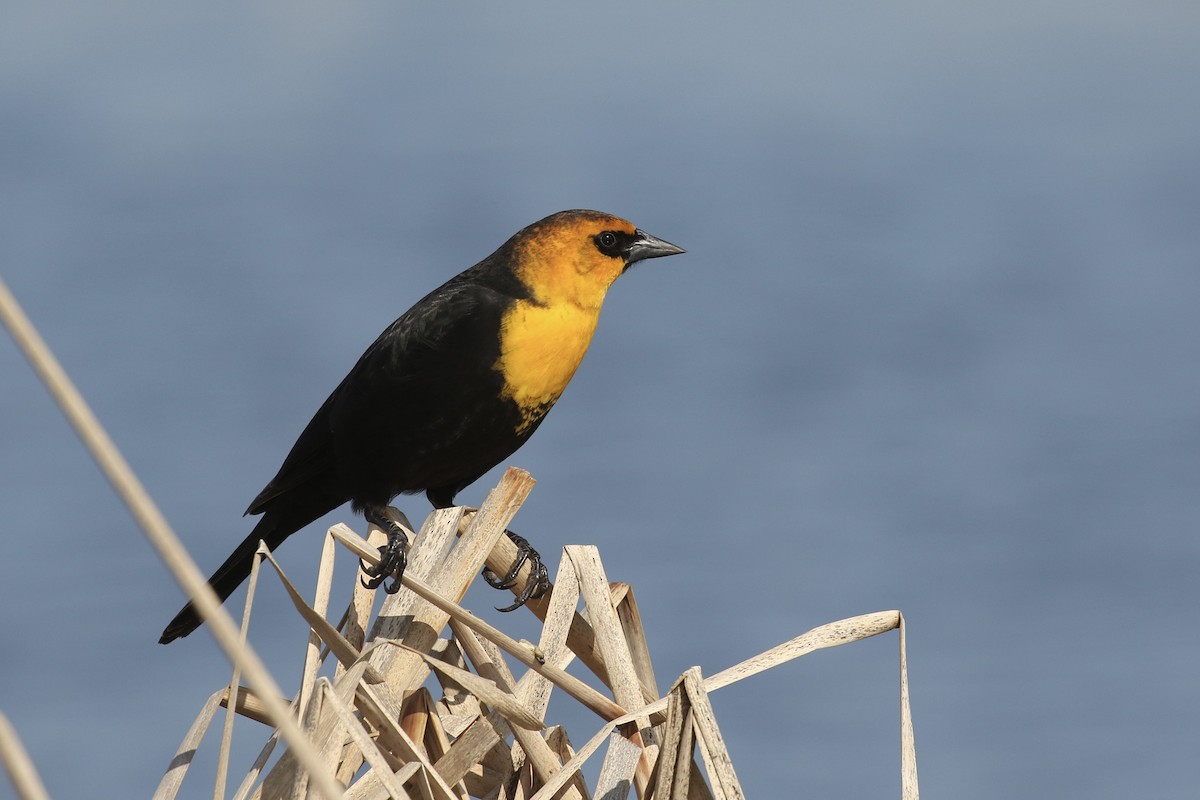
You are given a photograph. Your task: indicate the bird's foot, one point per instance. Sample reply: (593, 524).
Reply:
(538, 583)
(393, 556)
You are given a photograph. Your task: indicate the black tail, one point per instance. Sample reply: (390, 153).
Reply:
(276, 525)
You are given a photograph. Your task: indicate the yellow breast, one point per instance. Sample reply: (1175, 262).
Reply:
(541, 346)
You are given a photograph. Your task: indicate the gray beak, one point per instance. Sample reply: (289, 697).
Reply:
(646, 246)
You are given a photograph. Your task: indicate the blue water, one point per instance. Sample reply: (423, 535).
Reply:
(933, 347)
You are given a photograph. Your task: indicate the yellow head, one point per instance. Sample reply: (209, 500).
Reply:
(574, 256)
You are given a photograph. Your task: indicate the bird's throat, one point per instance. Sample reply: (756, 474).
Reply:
(541, 346)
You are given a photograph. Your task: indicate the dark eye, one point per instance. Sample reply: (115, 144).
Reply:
(608, 243)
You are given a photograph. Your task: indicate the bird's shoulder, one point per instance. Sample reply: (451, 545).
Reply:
(465, 310)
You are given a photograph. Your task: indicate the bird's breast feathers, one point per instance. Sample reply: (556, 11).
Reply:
(540, 348)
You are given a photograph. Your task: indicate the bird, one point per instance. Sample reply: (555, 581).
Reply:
(449, 390)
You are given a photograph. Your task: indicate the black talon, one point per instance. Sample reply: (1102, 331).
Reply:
(393, 556)
(524, 551)
(539, 580)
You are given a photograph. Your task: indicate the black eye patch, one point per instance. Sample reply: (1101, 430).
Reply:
(613, 243)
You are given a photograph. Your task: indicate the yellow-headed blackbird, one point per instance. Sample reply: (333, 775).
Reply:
(449, 390)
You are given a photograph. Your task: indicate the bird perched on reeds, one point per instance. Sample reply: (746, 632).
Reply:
(448, 390)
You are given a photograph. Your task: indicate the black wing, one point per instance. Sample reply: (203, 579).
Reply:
(376, 434)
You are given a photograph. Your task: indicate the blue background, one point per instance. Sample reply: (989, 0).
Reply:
(934, 347)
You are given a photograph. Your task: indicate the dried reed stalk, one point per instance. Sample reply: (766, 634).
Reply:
(486, 736)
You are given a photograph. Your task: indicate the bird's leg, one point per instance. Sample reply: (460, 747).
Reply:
(393, 556)
(539, 580)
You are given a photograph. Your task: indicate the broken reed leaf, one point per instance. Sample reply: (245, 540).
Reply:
(488, 693)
